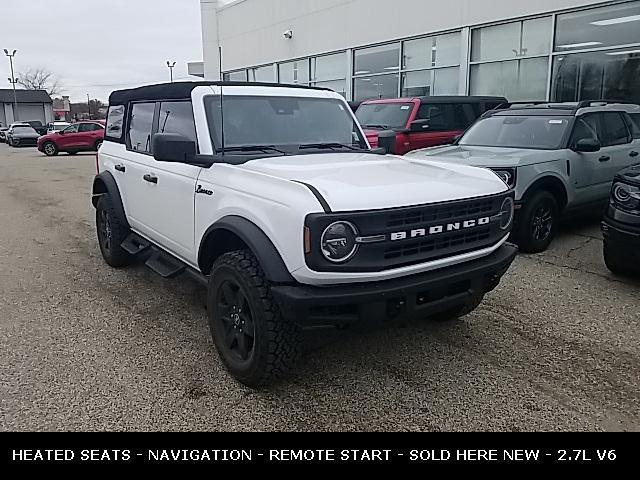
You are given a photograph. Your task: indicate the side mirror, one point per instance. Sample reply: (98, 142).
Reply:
(587, 145)
(419, 125)
(61, 132)
(387, 141)
(171, 147)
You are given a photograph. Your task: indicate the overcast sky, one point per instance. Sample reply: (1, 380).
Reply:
(96, 46)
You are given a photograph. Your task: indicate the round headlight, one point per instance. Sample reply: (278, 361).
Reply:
(507, 211)
(338, 242)
(505, 176)
(626, 196)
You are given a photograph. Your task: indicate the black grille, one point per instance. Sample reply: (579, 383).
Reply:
(407, 249)
(440, 244)
(441, 213)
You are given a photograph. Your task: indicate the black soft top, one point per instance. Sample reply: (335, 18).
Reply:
(461, 99)
(182, 90)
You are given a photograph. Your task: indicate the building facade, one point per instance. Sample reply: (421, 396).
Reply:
(31, 105)
(560, 50)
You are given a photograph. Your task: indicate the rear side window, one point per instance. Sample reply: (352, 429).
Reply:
(463, 115)
(177, 117)
(89, 127)
(635, 124)
(115, 123)
(140, 127)
(616, 129)
(440, 116)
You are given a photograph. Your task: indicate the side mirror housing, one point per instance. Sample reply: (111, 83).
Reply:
(387, 141)
(587, 145)
(171, 147)
(419, 125)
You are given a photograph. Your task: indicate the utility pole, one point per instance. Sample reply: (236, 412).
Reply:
(89, 106)
(13, 80)
(171, 65)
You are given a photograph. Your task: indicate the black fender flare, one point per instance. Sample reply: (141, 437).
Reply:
(258, 242)
(104, 183)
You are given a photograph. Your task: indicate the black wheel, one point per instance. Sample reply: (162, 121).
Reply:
(615, 261)
(112, 231)
(72, 152)
(98, 145)
(255, 343)
(537, 223)
(458, 311)
(50, 149)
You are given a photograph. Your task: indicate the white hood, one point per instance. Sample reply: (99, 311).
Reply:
(484, 156)
(363, 181)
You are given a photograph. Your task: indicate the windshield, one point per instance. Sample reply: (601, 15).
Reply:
(536, 132)
(287, 123)
(384, 115)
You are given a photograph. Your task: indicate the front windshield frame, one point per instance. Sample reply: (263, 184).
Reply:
(525, 145)
(373, 124)
(273, 149)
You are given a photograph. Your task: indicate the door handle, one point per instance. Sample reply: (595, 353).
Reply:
(150, 178)
(605, 158)
(634, 154)
(120, 168)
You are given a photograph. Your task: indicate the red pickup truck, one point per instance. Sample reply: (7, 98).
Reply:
(422, 122)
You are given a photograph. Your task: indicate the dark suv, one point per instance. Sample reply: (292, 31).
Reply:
(422, 122)
(621, 225)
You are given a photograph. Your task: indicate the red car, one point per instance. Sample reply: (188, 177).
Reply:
(79, 137)
(422, 122)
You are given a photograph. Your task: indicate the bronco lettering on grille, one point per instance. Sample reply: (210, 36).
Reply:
(438, 229)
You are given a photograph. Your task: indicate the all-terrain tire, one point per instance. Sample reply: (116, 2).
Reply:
(530, 236)
(112, 230)
(239, 296)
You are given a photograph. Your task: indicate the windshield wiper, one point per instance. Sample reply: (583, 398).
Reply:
(256, 148)
(325, 146)
(373, 125)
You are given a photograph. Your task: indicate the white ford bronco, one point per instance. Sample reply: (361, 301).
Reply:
(270, 196)
(559, 157)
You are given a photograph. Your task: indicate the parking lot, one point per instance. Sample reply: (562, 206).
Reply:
(86, 347)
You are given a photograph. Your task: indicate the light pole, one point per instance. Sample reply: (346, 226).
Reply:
(171, 65)
(89, 106)
(13, 80)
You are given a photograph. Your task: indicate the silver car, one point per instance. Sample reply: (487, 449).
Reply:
(559, 158)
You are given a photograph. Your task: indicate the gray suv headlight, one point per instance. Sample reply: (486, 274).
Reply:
(507, 175)
(626, 196)
(338, 242)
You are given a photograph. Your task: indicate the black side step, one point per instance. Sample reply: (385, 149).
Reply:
(135, 245)
(165, 265)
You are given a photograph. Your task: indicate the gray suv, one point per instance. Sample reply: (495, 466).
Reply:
(559, 158)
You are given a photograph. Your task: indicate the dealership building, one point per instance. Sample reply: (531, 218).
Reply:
(560, 50)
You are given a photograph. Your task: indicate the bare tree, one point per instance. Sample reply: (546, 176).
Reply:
(40, 79)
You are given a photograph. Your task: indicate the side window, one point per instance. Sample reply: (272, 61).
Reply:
(438, 116)
(140, 127)
(85, 127)
(177, 117)
(115, 122)
(635, 123)
(616, 129)
(96, 127)
(587, 127)
(463, 116)
(71, 129)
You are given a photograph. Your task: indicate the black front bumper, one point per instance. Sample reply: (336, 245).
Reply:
(417, 295)
(623, 239)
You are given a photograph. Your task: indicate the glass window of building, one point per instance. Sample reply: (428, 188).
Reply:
(296, 72)
(598, 27)
(517, 80)
(380, 86)
(492, 72)
(610, 74)
(608, 63)
(441, 81)
(511, 40)
(262, 74)
(237, 76)
(382, 59)
(330, 71)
